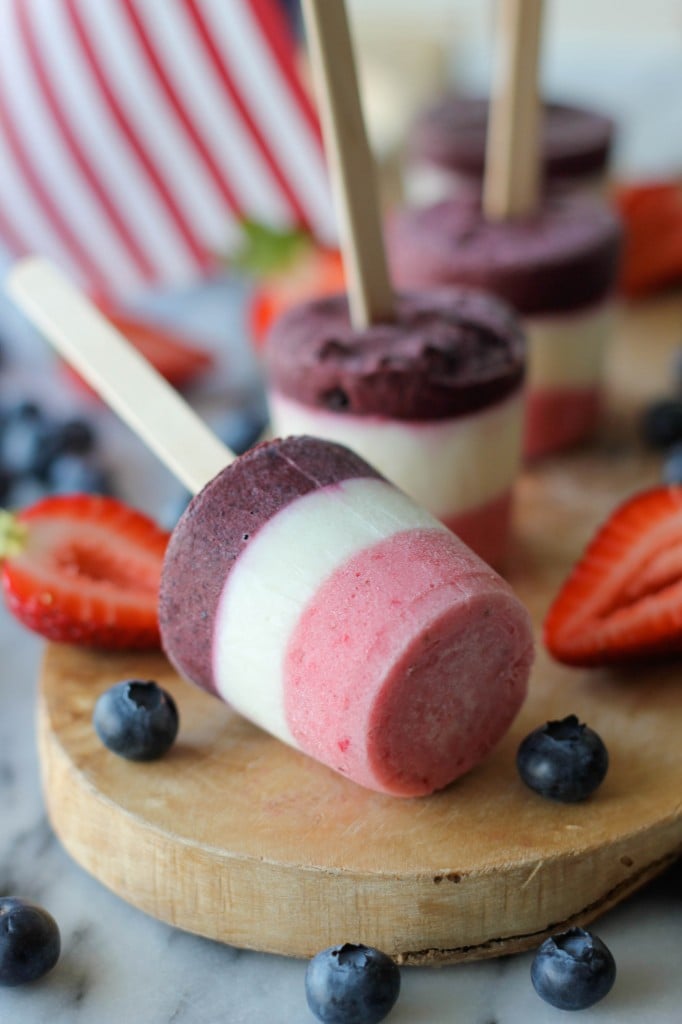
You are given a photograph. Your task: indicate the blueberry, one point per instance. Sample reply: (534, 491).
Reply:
(24, 491)
(69, 474)
(72, 437)
(351, 985)
(22, 437)
(573, 970)
(29, 942)
(563, 760)
(661, 424)
(137, 720)
(672, 465)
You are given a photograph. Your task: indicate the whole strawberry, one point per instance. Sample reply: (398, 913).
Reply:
(84, 569)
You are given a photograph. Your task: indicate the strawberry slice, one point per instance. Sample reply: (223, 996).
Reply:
(652, 215)
(84, 569)
(176, 360)
(623, 599)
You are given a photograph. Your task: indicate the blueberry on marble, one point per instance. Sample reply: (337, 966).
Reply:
(573, 970)
(136, 719)
(661, 425)
(563, 760)
(351, 984)
(22, 437)
(29, 941)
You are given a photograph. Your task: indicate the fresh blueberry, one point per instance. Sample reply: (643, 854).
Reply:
(351, 985)
(29, 942)
(672, 465)
(137, 720)
(73, 437)
(22, 437)
(72, 474)
(240, 429)
(661, 425)
(573, 970)
(23, 491)
(563, 760)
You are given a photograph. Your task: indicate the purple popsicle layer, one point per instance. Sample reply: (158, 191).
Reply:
(562, 258)
(575, 143)
(446, 353)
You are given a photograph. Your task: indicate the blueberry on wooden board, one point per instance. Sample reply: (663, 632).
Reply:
(137, 720)
(661, 424)
(563, 760)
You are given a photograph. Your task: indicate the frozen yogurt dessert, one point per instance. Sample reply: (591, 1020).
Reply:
(557, 268)
(328, 608)
(446, 149)
(433, 398)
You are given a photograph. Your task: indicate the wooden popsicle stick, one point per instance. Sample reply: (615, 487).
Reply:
(116, 370)
(511, 185)
(351, 164)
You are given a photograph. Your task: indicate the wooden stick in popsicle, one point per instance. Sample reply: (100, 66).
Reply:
(351, 164)
(140, 395)
(511, 185)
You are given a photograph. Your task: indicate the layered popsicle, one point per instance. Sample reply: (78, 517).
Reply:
(446, 149)
(557, 268)
(307, 591)
(327, 607)
(432, 397)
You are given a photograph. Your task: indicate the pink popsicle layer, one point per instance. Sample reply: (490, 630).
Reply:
(435, 664)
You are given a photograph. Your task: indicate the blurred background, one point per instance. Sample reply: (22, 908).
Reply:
(143, 136)
(624, 58)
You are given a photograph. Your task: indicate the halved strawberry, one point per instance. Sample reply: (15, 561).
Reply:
(174, 358)
(84, 569)
(623, 599)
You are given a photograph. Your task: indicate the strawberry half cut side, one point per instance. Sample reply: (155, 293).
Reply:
(84, 569)
(623, 599)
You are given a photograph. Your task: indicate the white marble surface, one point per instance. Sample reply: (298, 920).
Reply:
(118, 964)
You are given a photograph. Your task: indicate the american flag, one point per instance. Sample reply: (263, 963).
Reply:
(136, 134)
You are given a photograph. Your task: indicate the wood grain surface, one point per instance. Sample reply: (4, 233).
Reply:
(237, 837)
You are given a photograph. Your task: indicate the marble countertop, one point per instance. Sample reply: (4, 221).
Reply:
(118, 964)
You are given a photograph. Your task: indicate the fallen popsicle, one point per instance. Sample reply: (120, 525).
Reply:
(427, 386)
(306, 590)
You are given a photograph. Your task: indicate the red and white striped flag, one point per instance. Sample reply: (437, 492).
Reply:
(135, 134)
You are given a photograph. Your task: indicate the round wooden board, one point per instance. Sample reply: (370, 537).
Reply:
(236, 837)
